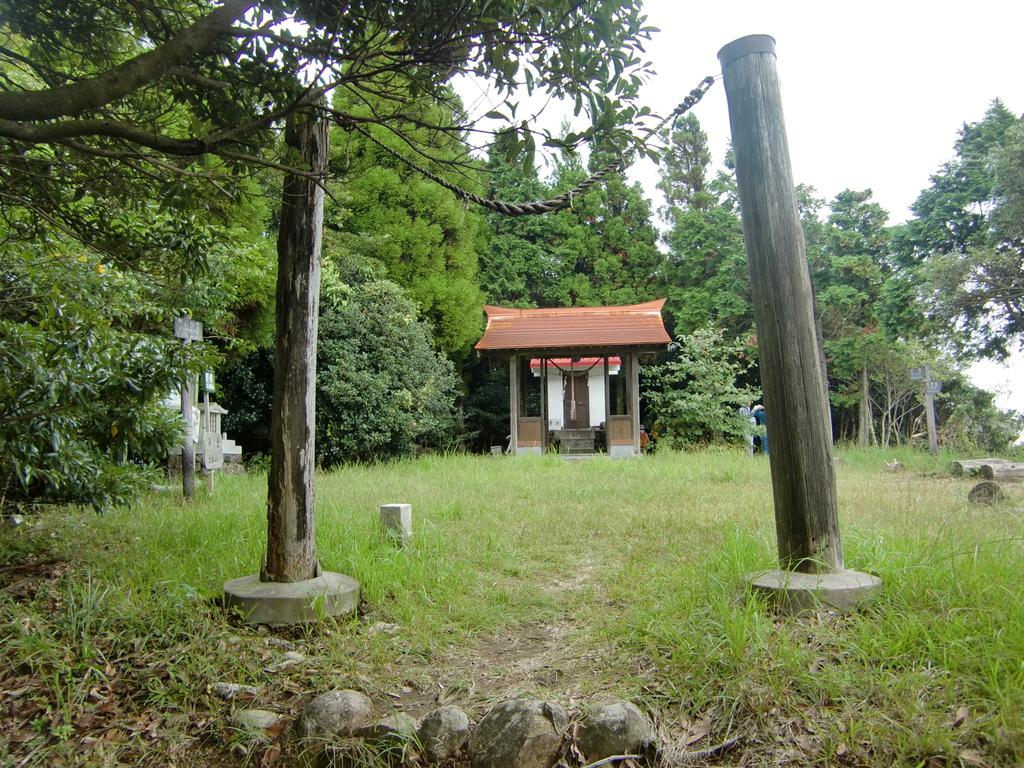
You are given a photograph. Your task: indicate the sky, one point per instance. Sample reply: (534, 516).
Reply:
(874, 93)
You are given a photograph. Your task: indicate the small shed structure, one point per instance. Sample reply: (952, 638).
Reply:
(574, 373)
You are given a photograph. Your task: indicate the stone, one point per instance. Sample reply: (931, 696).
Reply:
(279, 642)
(396, 520)
(797, 593)
(391, 732)
(443, 732)
(232, 691)
(519, 733)
(986, 492)
(335, 713)
(617, 728)
(288, 659)
(255, 719)
(297, 602)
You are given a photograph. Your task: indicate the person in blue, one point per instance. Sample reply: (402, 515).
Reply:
(761, 420)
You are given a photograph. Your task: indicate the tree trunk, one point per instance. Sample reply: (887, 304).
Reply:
(796, 402)
(291, 548)
(866, 420)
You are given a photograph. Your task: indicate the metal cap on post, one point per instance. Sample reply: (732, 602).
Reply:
(796, 402)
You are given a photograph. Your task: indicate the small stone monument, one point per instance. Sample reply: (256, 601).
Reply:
(396, 520)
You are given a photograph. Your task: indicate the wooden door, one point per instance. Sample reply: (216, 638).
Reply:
(576, 388)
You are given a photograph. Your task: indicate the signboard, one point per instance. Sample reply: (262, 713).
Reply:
(206, 382)
(918, 374)
(189, 330)
(213, 451)
(933, 387)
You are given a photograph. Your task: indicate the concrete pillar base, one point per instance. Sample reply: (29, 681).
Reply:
(297, 602)
(798, 593)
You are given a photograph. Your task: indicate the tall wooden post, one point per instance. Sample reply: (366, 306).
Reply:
(634, 400)
(513, 403)
(291, 548)
(803, 477)
(796, 401)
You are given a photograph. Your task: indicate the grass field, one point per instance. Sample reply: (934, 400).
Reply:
(534, 576)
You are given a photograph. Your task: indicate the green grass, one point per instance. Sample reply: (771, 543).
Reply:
(533, 576)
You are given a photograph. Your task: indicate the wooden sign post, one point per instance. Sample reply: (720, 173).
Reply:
(796, 402)
(188, 331)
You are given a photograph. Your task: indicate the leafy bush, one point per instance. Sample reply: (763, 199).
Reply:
(382, 389)
(693, 398)
(80, 385)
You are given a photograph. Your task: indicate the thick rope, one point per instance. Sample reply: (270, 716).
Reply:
(553, 204)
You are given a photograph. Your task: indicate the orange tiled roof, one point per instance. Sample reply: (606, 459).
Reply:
(637, 325)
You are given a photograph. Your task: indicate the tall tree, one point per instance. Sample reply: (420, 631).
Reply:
(705, 277)
(966, 237)
(849, 274)
(418, 231)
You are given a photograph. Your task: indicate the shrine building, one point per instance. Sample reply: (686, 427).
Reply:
(574, 374)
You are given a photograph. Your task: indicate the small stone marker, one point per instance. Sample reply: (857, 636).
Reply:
(986, 492)
(397, 522)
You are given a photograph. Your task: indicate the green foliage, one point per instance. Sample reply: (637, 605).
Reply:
(694, 397)
(382, 389)
(705, 276)
(967, 240)
(971, 422)
(80, 383)
(418, 231)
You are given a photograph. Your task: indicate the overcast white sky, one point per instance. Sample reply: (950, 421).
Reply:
(873, 92)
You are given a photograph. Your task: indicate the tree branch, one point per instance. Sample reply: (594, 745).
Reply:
(75, 98)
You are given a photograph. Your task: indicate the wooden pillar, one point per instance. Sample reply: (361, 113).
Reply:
(803, 478)
(291, 547)
(543, 404)
(634, 399)
(513, 402)
(607, 410)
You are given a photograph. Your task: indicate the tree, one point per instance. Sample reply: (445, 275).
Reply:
(694, 397)
(603, 247)
(849, 273)
(82, 376)
(706, 271)
(966, 237)
(382, 389)
(104, 100)
(420, 232)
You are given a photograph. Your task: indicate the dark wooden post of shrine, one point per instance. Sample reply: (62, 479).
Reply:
(799, 433)
(291, 587)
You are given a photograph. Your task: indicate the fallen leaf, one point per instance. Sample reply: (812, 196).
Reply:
(270, 756)
(972, 757)
(960, 717)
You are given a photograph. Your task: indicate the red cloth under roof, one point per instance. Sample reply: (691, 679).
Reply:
(565, 328)
(578, 362)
